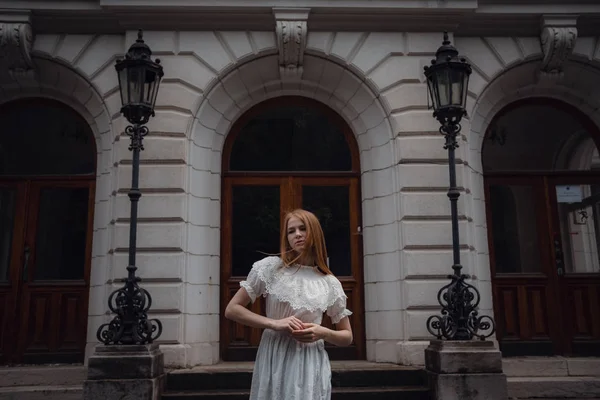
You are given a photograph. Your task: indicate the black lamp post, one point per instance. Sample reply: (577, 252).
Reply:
(447, 84)
(139, 79)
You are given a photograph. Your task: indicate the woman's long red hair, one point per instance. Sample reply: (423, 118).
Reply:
(315, 241)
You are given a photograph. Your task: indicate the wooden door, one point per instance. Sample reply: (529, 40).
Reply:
(251, 221)
(253, 211)
(575, 215)
(46, 293)
(546, 292)
(523, 277)
(12, 213)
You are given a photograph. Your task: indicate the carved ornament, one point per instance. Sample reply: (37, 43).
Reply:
(291, 30)
(16, 42)
(558, 38)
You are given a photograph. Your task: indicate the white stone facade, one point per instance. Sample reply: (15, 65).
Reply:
(374, 80)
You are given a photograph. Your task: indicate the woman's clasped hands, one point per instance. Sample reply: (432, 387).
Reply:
(301, 331)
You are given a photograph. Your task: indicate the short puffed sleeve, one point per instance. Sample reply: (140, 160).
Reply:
(336, 308)
(260, 277)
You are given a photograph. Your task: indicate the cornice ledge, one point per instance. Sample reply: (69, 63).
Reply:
(192, 5)
(16, 40)
(291, 30)
(558, 39)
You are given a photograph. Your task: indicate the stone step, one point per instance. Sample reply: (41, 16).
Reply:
(54, 392)
(551, 366)
(346, 393)
(43, 375)
(398, 376)
(565, 387)
(351, 380)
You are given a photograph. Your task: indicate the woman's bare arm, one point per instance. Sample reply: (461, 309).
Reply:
(341, 336)
(236, 311)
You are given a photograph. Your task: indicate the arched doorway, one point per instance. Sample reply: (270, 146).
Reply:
(286, 153)
(542, 182)
(47, 182)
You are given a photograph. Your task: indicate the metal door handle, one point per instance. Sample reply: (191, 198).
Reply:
(25, 263)
(558, 256)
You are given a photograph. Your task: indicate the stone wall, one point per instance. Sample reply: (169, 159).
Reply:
(375, 82)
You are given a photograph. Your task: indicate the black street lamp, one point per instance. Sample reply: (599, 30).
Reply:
(139, 79)
(447, 85)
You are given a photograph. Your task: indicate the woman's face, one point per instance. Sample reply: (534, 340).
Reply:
(296, 234)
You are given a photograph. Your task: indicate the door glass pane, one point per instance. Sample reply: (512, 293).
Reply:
(331, 205)
(44, 137)
(514, 229)
(7, 215)
(255, 226)
(291, 139)
(578, 212)
(61, 234)
(534, 137)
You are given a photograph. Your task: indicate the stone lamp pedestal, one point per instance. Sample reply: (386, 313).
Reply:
(465, 370)
(125, 372)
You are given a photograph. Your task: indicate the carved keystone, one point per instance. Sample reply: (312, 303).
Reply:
(558, 37)
(16, 41)
(291, 30)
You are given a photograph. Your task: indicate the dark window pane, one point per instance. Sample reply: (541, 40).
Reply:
(44, 138)
(7, 218)
(331, 205)
(579, 227)
(255, 226)
(537, 137)
(61, 234)
(291, 139)
(514, 229)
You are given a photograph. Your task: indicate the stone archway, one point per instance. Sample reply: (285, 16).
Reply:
(507, 71)
(48, 180)
(53, 79)
(516, 83)
(330, 84)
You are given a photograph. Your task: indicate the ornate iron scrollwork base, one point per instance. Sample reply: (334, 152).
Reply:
(130, 324)
(460, 319)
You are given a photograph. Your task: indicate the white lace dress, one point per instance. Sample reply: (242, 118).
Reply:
(286, 369)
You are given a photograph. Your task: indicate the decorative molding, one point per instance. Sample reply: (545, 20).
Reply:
(558, 38)
(291, 30)
(16, 42)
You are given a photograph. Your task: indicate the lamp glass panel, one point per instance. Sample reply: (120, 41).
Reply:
(444, 87)
(151, 86)
(147, 86)
(124, 86)
(456, 86)
(431, 91)
(435, 90)
(465, 89)
(136, 79)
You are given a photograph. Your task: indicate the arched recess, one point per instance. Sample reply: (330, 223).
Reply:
(579, 87)
(47, 186)
(287, 153)
(53, 79)
(496, 85)
(542, 152)
(327, 82)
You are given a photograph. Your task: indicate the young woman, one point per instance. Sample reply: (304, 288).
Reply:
(299, 288)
